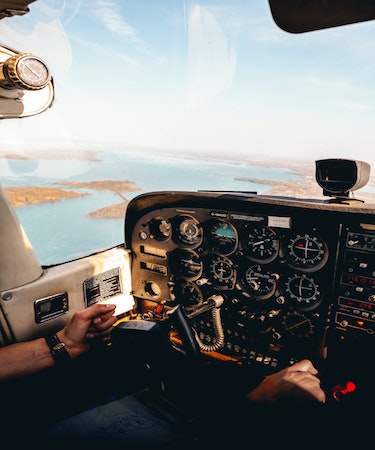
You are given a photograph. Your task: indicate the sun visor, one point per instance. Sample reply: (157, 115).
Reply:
(299, 16)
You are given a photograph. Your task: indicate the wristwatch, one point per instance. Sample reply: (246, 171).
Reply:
(58, 349)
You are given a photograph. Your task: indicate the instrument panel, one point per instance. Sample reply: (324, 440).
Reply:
(288, 272)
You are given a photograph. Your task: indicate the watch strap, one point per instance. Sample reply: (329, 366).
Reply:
(57, 349)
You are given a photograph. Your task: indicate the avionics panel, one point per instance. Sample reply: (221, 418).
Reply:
(355, 308)
(281, 266)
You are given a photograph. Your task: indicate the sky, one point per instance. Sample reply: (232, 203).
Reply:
(211, 77)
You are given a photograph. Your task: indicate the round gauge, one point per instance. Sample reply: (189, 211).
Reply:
(26, 71)
(185, 263)
(260, 284)
(297, 325)
(187, 294)
(222, 272)
(262, 244)
(223, 237)
(307, 252)
(303, 290)
(160, 229)
(188, 230)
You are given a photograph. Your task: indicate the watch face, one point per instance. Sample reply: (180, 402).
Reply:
(33, 72)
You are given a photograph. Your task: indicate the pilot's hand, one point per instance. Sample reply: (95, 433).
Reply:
(297, 383)
(88, 325)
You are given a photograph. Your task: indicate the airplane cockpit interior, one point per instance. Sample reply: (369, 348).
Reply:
(215, 289)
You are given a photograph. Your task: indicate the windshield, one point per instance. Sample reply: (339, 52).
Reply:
(180, 95)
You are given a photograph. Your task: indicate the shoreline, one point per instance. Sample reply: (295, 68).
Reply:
(305, 188)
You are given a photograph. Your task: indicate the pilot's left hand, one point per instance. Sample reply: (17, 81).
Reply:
(86, 326)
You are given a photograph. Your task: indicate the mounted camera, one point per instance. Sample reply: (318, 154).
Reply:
(340, 177)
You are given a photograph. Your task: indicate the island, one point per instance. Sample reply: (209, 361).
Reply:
(31, 195)
(305, 188)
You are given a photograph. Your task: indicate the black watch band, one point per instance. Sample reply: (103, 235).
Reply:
(58, 349)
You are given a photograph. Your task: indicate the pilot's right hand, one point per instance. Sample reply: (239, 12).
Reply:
(298, 382)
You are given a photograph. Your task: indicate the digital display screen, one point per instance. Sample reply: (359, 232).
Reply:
(348, 278)
(359, 304)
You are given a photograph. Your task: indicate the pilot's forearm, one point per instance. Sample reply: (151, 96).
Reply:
(24, 358)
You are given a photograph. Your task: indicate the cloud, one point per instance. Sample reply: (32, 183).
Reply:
(109, 15)
(97, 48)
(337, 84)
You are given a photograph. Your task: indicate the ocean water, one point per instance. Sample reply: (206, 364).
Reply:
(61, 231)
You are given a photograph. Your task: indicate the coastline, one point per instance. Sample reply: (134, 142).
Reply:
(305, 188)
(32, 195)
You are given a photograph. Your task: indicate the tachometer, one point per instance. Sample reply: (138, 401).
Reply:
(260, 284)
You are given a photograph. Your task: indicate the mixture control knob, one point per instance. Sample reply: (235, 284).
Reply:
(24, 71)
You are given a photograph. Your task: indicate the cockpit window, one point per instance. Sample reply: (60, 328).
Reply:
(178, 95)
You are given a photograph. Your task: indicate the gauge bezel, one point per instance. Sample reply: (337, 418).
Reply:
(180, 285)
(220, 282)
(301, 302)
(156, 231)
(312, 264)
(175, 257)
(265, 275)
(182, 237)
(216, 243)
(293, 330)
(262, 233)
